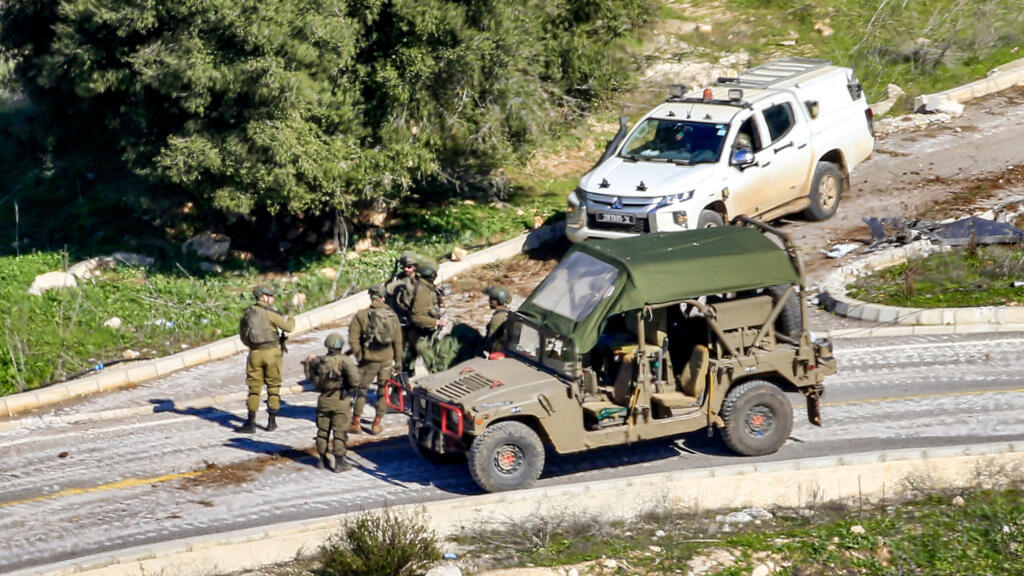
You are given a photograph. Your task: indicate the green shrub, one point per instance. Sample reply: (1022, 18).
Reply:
(382, 544)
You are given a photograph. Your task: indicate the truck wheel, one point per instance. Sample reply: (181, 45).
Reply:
(430, 455)
(758, 418)
(788, 322)
(507, 456)
(826, 188)
(710, 219)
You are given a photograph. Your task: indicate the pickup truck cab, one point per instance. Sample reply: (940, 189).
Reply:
(780, 138)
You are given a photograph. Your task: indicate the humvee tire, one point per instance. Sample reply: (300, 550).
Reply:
(430, 455)
(507, 456)
(758, 418)
(826, 190)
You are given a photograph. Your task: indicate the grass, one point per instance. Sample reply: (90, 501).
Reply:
(982, 276)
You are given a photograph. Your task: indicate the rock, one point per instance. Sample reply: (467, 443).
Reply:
(758, 514)
(362, 245)
(857, 529)
(761, 570)
(938, 103)
(787, 43)
(352, 255)
(208, 245)
(87, 268)
(823, 28)
(130, 354)
(445, 570)
(211, 267)
(573, 572)
(655, 549)
(298, 300)
(958, 501)
(114, 323)
(704, 28)
(373, 217)
(659, 533)
(51, 281)
(240, 255)
(328, 272)
(609, 563)
(329, 247)
(894, 91)
(458, 253)
(537, 222)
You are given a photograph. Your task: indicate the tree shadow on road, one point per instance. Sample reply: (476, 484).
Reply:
(394, 461)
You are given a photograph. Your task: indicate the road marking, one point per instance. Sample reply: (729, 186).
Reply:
(127, 483)
(865, 349)
(923, 397)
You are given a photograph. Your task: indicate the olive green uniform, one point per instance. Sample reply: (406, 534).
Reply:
(421, 304)
(494, 339)
(263, 366)
(335, 376)
(376, 361)
(398, 293)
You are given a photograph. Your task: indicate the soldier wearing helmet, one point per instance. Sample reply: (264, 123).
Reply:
(420, 303)
(263, 329)
(335, 376)
(494, 339)
(375, 336)
(402, 276)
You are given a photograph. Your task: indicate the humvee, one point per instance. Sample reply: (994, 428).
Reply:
(629, 340)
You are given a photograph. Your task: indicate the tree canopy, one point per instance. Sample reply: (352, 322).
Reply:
(300, 106)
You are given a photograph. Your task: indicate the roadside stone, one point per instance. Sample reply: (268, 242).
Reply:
(208, 245)
(51, 281)
(328, 247)
(659, 533)
(761, 570)
(712, 560)
(655, 549)
(857, 529)
(352, 255)
(445, 570)
(130, 354)
(458, 253)
(86, 268)
(609, 563)
(958, 501)
(298, 300)
(363, 245)
(114, 323)
(938, 103)
(328, 272)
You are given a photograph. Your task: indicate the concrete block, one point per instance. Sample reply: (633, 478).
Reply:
(169, 364)
(930, 316)
(224, 348)
(141, 372)
(948, 316)
(17, 403)
(870, 312)
(82, 386)
(53, 395)
(888, 314)
(932, 329)
(1012, 315)
(908, 315)
(112, 379)
(195, 357)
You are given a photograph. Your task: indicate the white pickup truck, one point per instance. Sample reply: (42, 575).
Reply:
(778, 139)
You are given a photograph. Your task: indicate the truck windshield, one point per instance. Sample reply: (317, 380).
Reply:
(679, 141)
(576, 285)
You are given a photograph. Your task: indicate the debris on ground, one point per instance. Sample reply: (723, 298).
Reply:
(970, 230)
(840, 250)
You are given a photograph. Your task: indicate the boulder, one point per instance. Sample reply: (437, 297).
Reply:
(51, 281)
(132, 259)
(208, 245)
(113, 323)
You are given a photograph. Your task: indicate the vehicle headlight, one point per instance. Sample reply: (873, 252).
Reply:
(576, 207)
(675, 198)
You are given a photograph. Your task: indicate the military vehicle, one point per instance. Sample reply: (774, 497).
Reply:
(723, 340)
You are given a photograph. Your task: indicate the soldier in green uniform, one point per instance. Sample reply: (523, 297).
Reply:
(420, 302)
(399, 289)
(494, 339)
(263, 329)
(336, 377)
(375, 336)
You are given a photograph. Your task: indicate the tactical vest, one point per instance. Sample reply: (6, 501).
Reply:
(330, 376)
(255, 328)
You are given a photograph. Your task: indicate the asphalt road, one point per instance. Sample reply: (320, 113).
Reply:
(140, 466)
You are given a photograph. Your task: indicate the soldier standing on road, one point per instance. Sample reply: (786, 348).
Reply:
(494, 339)
(421, 304)
(399, 288)
(263, 329)
(336, 377)
(375, 336)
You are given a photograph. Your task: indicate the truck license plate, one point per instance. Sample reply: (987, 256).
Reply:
(614, 218)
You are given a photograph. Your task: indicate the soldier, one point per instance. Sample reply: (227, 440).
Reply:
(375, 336)
(264, 330)
(421, 304)
(494, 339)
(336, 377)
(399, 289)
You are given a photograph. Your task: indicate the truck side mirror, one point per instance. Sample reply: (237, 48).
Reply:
(742, 158)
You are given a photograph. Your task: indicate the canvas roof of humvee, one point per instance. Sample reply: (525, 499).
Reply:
(664, 267)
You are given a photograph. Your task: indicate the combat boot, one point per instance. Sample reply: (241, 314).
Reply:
(341, 465)
(250, 425)
(377, 427)
(272, 421)
(355, 427)
(323, 462)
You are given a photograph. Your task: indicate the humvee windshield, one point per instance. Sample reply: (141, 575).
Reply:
(542, 347)
(576, 286)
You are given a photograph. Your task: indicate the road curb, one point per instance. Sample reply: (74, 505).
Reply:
(855, 479)
(999, 78)
(906, 321)
(130, 374)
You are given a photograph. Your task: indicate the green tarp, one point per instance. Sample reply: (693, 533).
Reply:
(669, 266)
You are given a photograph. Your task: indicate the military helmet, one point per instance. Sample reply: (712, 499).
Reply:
(408, 258)
(426, 268)
(261, 291)
(334, 341)
(497, 293)
(376, 290)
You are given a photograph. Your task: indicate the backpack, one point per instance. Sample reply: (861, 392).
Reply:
(255, 329)
(380, 327)
(329, 373)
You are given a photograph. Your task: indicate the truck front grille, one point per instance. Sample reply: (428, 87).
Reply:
(465, 385)
(639, 226)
